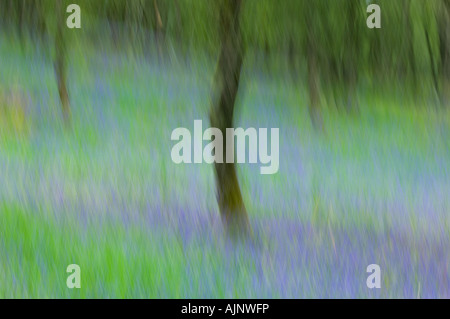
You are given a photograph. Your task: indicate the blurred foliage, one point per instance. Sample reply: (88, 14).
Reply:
(13, 109)
(412, 42)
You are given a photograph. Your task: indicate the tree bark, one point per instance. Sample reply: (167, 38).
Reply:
(231, 204)
(60, 62)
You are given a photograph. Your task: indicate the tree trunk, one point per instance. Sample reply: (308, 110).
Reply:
(60, 62)
(406, 67)
(228, 71)
(158, 29)
(432, 63)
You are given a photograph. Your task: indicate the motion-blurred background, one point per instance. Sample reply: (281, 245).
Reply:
(86, 175)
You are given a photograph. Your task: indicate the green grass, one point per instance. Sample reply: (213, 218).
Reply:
(38, 250)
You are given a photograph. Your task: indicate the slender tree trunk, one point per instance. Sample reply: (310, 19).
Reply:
(410, 41)
(334, 80)
(228, 72)
(158, 29)
(432, 63)
(60, 61)
(406, 68)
